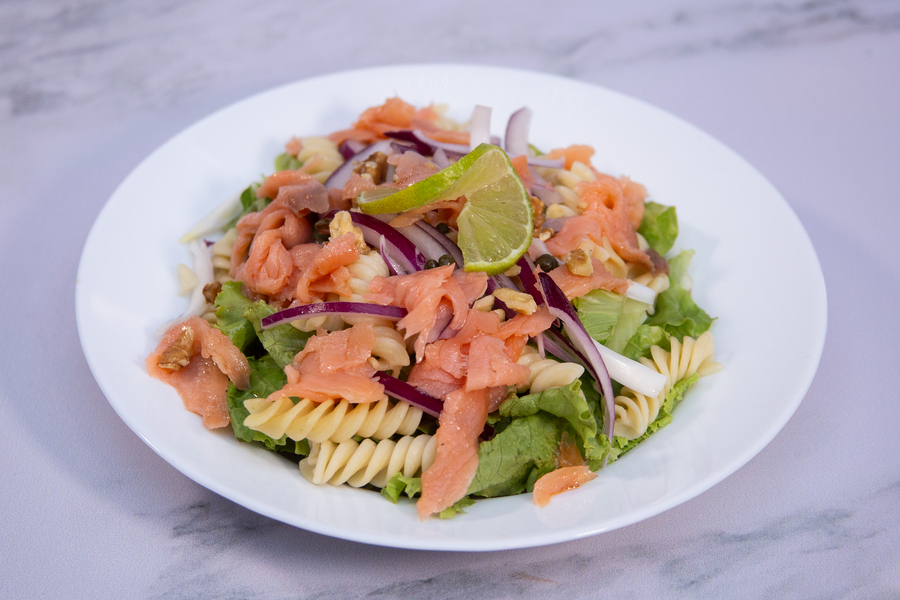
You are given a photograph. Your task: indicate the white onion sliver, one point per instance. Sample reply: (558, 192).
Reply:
(641, 293)
(517, 127)
(203, 269)
(480, 126)
(215, 220)
(630, 373)
(458, 148)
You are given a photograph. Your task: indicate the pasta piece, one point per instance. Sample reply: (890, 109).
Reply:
(330, 420)
(635, 412)
(368, 462)
(320, 157)
(221, 255)
(546, 373)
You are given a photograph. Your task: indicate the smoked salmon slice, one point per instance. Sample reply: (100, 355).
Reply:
(200, 362)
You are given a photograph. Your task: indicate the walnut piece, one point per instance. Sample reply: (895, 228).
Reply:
(518, 301)
(579, 263)
(537, 207)
(211, 290)
(343, 223)
(179, 352)
(375, 167)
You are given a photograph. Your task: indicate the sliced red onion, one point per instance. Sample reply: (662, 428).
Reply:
(343, 173)
(536, 250)
(401, 390)
(441, 159)
(392, 264)
(555, 224)
(405, 135)
(391, 313)
(423, 242)
(449, 245)
(526, 275)
(400, 249)
(561, 308)
(458, 148)
(350, 148)
(550, 163)
(516, 142)
(547, 195)
(480, 126)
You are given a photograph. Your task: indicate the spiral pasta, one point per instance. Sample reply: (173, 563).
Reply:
(635, 412)
(319, 157)
(368, 462)
(546, 373)
(330, 420)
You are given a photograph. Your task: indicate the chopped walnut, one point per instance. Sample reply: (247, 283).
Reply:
(342, 223)
(375, 167)
(211, 290)
(544, 234)
(513, 271)
(537, 207)
(518, 301)
(579, 263)
(179, 352)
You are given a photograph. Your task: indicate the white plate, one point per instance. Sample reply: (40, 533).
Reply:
(755, 269)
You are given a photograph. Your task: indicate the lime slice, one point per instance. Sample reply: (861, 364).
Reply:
(496, 223)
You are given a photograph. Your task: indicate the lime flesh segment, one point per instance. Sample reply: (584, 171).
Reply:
(496, 222)
(431, 189)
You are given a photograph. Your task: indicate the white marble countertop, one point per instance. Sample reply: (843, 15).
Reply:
(805, 91)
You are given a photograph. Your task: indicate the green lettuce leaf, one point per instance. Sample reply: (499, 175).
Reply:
(646, 336)
(676, 311)
(249, 203)
(610, 318)
(399, 485)
(265, 377)
(287, 162)
(230, 306)
(282, 342)
(506, 462)
(659, 226)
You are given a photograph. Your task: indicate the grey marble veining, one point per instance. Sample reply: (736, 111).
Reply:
(805, 90)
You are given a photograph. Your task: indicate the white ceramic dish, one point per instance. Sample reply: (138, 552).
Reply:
(769, 333)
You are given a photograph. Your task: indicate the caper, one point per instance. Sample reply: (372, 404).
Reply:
(431, 264)
(443, 228)
(446, 260)
(547, 262)
(322, 225)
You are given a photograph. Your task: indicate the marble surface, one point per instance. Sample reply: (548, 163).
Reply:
(806, 91)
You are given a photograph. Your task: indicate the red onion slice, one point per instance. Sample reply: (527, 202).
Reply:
(401, 390)
(458, 148)
(405, 135)
(391, 313)
(561, 308)
(449, 246)
(401, 250)
(479, 126)
(551, 163)
(516, 142)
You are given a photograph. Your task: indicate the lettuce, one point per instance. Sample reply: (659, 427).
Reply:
(265, 377)
(287, 162)
(249, 203)
(241, 320)
(646, 336)
(610, 318)
(659, 226)
(676, 311)
(526, 447)
(399, 485)
(282, 342)
(230, 306)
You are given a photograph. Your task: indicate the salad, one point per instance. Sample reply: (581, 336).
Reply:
(407, 306)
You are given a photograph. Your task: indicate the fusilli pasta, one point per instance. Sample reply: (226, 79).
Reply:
(367, 462)
(546, 373)
(635, 412)
(330, 420)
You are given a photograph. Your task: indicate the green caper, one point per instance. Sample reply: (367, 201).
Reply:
(443, 228)
(431, 264)
(547, 262)
(446, 260)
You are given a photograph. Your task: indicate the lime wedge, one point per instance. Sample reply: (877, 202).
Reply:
(496, 223)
